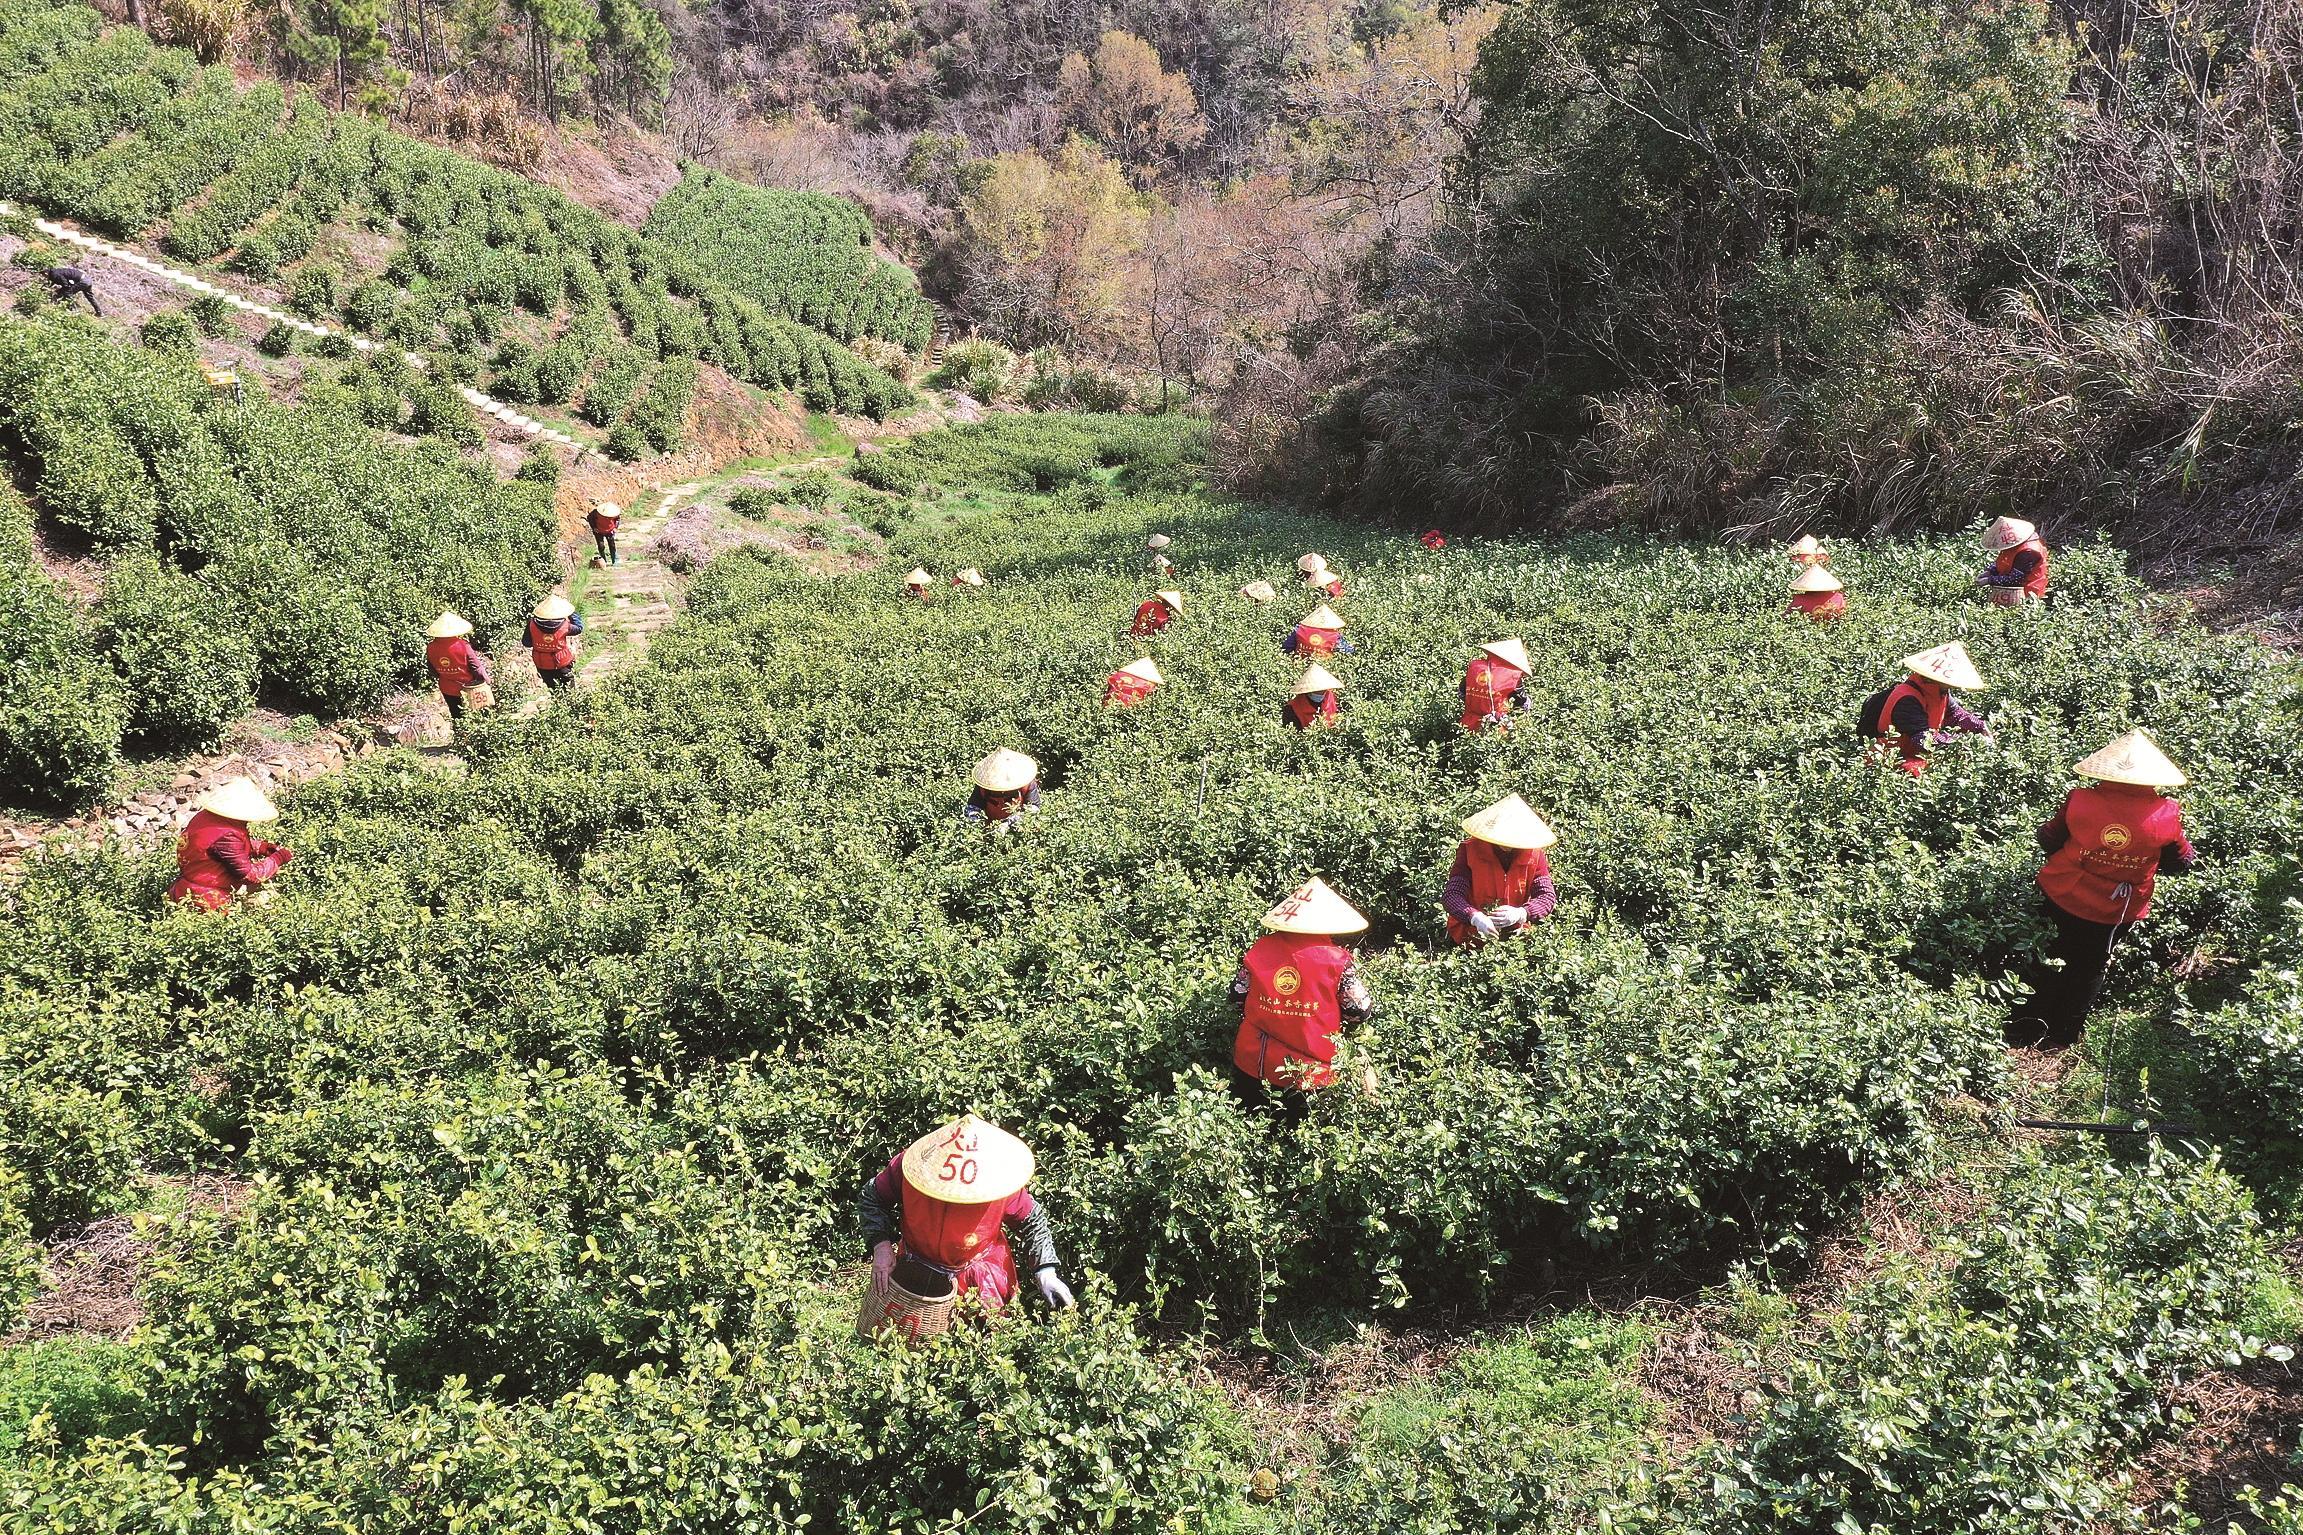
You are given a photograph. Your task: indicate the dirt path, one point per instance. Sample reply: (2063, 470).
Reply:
(487, 405)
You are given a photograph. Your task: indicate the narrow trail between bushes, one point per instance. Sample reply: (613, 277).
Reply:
(486, 404)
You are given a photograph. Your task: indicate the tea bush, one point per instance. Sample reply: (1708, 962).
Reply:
(256, 545)
(62, 710)
(553, 1080)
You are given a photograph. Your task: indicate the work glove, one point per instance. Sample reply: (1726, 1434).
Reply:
(1509, 916)
(1053, 1290)
(1482, 924)
(1002, 828)
(883, 1262)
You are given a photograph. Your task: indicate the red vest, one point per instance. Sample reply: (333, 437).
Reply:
(1487, 688)
(1935, 700)
(1433, 540)
(1301, 711)
(1126, 689)
(2105, 872)
(555, 648)
(1287, 1030)
(1333, 588)
(1496, 883)
(970, 1241)
(605, 522)
(1151, 618)
(1820, 606)
(1316, 642)
(2037, 585)
(200, 877)
(451, 664)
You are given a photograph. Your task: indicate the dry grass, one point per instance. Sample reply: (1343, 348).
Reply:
(88, 1285)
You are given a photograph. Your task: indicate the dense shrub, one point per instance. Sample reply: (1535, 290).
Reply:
(754, 501)
(183, 655)
(61, 708)
(210, 313)
(983, 370)
(278, 340)
(171, 331)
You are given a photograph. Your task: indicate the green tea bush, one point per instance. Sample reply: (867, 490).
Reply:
(62, 710)
(188, 665)
(754, 501)
(313, 293)
(210, 313)
(278, 340)
(982, 370)
(1999, 1396)
(171, 331)
(65, 1391)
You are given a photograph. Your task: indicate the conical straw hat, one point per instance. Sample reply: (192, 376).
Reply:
(1311, 562)
(2007, 532)
(1320, 577)
(1143, 669)
(968, 1162)
(1314, 908)
(1258, 591)
(608, 509)
(1322, 617)
(1509, 823)
(1316, 679)
(1157, 541)
(1174, 600)
(918, 577)
(555, 606)
(448, 626)
(1005, 771)
(1814, 579)
(1808, 544)
(2133, 759)
(970, 577)
(1511, 652)
(238, 799)
(1947, 664)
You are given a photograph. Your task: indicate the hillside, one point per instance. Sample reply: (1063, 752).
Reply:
(538, 298)
(541, 1092)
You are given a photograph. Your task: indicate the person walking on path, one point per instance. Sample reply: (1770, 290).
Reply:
(455, 665)
(551, 640)
(604, 519)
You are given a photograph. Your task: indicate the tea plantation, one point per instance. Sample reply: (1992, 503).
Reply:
(544, 299)
(550, 1083)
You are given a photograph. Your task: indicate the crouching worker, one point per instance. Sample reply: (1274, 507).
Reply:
(1132, 684)
(1157, 611)
(1815, 595)
(455, 665)
(951, 1216)
(1495, 685)
(2018, 570)
(1919, 711)
(1007, 784)
(1316, 700)
(218, 857)
(2105, 848)
(1320, 634)
(552, 641)
(1501, 882)
(1297, 987)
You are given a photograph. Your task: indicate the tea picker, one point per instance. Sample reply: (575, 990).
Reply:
(69, 282)
(461, 671)
(968, 577)
(1808, 553)
(1317, 575)
(1132, 684)
(1500, 882)
(1919, 711)
(1007, 787)
(1316, 701)
(217, 857)
(551, 639)
(1156, 611)
(1816, 595)
(604, 518)
(1495, 685)
(919, 583)
(1161, 566)
(1297, 987)
(2105, 849)
(950, 1216)
(2018, 569)
(1320, 634)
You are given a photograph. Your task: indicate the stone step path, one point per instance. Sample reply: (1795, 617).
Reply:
(638, 586)
(487, 405)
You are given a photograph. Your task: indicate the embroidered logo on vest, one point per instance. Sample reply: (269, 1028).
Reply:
(2116, 836)
(1286, 981)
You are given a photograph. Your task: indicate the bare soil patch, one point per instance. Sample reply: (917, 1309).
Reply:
(88, 1284)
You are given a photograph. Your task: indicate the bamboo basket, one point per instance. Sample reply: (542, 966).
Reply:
(912, 1316)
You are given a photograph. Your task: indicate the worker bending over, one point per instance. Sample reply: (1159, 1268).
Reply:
(2018, 568)
(1315, 701)
(1006, 786)
(1297, 987)
(1919, 711)
(1495, 685)
(69, 282)
(1317, 576)
(217, 857)
(1816, 596)
(956, 1201)
(1156, 611)
(2105, 849)
(1132, 683)
(1809, 552)
(1500, 882)
(1161, 566)
(1320, 634)
(919, 583)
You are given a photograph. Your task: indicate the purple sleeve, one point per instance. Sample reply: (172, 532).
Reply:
(2178, 856)
(1352, 997)
(1956, 716)
(1542, 896)
(232, 850)
(2020, 570)
(2055, 833)
(1456, 898)
(1240, 984)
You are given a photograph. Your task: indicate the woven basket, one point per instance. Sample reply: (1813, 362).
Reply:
(478, 696)
(2008, 596)
(911, 1315)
